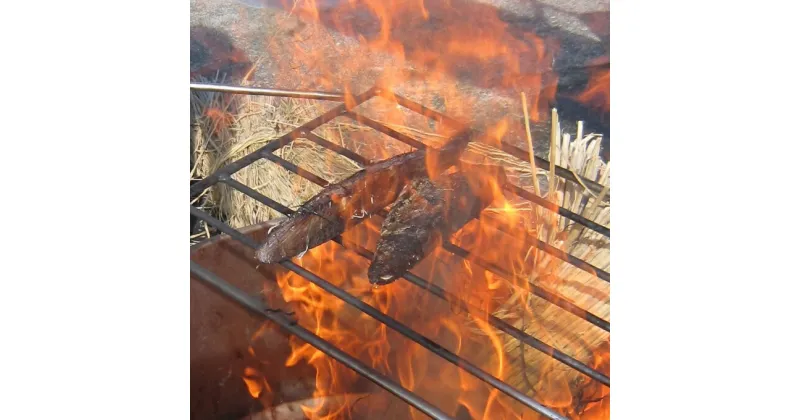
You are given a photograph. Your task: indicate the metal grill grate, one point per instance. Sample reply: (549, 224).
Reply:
(345, 109)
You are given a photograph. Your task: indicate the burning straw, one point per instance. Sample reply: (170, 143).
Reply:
(527, 369)
(532, 370)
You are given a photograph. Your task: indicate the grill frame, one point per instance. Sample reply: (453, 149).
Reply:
(224, 175)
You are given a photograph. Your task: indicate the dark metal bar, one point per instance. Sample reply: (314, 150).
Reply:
(422, 109)
(414, 106)
(281, 141)
(291, 167)
(375, 125)
(223, 227)
(523, 155)
(326, 96)
(255, 306)
(558, 209)
(266, 152)
(355, 157)
(544, 246)
(551, 297)
(254, 194)
(508, 148)
(557, 300)
(510, 187)
(424, 341)
(390, 322)
(493, 320)
(548, 296)
(564, 256)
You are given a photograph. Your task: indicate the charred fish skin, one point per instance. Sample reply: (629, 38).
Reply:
(426, 212)
(408, 231)
(332, 210)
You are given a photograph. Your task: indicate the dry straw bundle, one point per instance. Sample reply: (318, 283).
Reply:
(228, 127)
(537, 373)
(527, 369)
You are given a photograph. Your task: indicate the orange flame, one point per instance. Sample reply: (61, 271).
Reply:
(426, 47)
(598, 91)
(256, 383)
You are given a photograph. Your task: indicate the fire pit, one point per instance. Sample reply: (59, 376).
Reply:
(336, 340)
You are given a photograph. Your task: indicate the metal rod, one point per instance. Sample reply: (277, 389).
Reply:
(291, 167)
(255, 306)
(223, 227)
(424, 341)
(255, 194)
(564, 256)
(223, 175)
(276, 144)
(375, 125)
(558, 209)
(493, 320)
(510, 187)
(326, 96)
(508, 148)
(422, 109)
(496, 322)
(546, 295)
(355, 157)
(390, 322)
(540, 292)
(544, 246)
(518, 153)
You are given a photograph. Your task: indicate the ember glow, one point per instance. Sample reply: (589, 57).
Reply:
(427, 61)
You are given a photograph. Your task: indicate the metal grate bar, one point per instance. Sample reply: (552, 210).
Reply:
(289, 325)
(338, 149)
(508, 148)
(501, 325)
(345, 109)
(544, 246)
(496, 322)
(255, 194)
(224, 175)
(510, 187)
(276, 144)
(541, 202)
(390, 322)
(493, 320)
(562, 255)
(425, 342)
(375, 125)
(456, 250)
(325, 96)
(295, 169)
(551, 297)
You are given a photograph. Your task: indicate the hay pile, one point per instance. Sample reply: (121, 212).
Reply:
(529, 369)
(228, 127)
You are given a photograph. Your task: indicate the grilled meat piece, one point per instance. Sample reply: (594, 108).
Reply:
(340, 205)
(425, 212)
